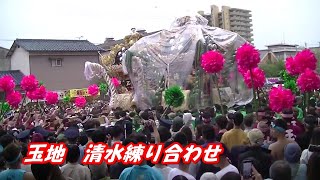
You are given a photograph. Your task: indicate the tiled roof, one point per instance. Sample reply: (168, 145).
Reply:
(52, 45)
(16, 74)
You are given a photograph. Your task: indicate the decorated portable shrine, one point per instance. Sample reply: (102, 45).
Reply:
(147, 66)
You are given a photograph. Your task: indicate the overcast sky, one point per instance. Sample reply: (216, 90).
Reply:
(274, 21)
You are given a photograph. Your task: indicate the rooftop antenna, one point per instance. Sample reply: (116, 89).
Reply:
(79, 38)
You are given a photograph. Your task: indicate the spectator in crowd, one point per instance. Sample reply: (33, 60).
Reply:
(256, 151)
(13, 157)
(142, 171)
(313, 172)
(46, 172)
(221, 122)
(73, 169)
(224, 164)
(280, 170)
(235, 136)
(315, 141)
(278, 131)
(183, 168)
(292, 153)
(248, 123)
(231, 176)
(310, 122)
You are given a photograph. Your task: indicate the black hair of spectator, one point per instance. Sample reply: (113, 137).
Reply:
(180, 177)
(206, 115)
(122, 114)
(221, 121)
(231, 176)
(181, 138)
(164, 133)
(117, 131)
(127, 141)
(139, 137)
(208, 133)
(116, 115)
(187, 131)
(280, 170)
(313, 172)
(41, 171)
(51, 139)
(98, 136)
(83, 139)
(310, 122)
(132, 114)
(24, 149)
(315, 139)
(145, 115)
(238, 118)
(73, 153)
(11, 152)
(2, 132)
(248, 120)
(6, 140)
(281, 123)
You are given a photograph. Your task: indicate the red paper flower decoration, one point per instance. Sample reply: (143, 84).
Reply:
(241, 70)
(247, 57)
(29, 83)
(52, 97)
(39, 93)
(7, 84)
(80, 101)
(115, 82)
(306, 60)
(292, 67)
(212, 62)
(93, 90)
(280, 98)
(258, 77)
(308, 81)
(14, 98)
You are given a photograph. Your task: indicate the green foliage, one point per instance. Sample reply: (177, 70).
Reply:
(290, 82)
(66, 99)
(174, 96)
(273, 69)
(41, 83)
(103, 87)
(4, 107)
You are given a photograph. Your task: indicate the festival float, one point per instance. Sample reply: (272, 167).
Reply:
(147, 66)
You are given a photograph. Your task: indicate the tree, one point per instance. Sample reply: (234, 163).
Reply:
(273, 69)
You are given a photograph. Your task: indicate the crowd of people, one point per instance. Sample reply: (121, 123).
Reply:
(278, 146)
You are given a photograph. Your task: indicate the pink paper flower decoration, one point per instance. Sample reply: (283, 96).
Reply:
(80, 101)
(241, 70)
(29, 83)
(247, 57)
(115, 82)
(14, 98)
(31, 95)
(305, 60)
(308, 81)
(258, 76)
(212, 62)
(280, 98)
(7, 84)
(93, 90)
(292, 67)
(52, 97)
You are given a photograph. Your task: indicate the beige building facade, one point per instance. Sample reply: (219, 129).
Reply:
(232, 19)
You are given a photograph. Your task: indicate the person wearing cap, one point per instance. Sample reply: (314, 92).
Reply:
(72, 134)
(292, 153)
(23, 136)
(13, 157)
(256, 151)
(278, 131)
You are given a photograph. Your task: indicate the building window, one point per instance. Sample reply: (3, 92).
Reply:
(56, 62)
